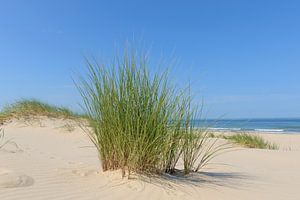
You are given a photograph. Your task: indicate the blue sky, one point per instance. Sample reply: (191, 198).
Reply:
(242, 57)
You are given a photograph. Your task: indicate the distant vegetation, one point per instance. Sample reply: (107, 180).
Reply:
(34, 108)
(250, 141)
(140, 122)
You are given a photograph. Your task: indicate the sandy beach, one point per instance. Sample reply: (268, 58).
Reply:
(150, 100)
(53, 161)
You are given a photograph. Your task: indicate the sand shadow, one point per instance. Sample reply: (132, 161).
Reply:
(198, 180)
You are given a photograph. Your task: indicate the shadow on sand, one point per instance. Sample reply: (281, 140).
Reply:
(200, 180)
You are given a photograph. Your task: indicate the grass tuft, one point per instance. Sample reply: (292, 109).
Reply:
(140, 122)
(251, 141)
(34, 108)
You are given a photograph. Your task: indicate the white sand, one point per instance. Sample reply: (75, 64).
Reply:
(54, 163)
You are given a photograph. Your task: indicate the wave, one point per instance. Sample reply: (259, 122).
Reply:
(225, 129)
(269, 130)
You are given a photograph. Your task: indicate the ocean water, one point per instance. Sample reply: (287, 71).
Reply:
(260, 125)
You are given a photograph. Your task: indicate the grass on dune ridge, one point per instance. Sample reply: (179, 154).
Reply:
(251, 141)
(140, 122)
(28, 108)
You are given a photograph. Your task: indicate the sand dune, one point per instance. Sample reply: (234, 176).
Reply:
(55, 162)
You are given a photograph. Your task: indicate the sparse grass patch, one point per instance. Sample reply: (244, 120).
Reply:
(140, 122)
(34, 108)
(251, 141)
(68, 127)
(212, 135)
(4, 142)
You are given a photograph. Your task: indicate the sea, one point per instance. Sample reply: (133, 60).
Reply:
(252, 125)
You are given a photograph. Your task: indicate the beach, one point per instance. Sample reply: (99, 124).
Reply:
(150, 100)
(54, 159)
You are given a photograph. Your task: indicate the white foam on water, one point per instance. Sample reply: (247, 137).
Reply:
(225, 129)
(269, 130)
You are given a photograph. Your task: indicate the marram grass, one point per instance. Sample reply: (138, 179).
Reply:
(140, 122)
(251, 141)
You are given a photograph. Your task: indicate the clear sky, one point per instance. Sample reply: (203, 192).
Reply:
(243, 57)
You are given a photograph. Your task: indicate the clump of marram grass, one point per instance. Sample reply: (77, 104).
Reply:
(34, 108)
(251, 141)
(140, 122)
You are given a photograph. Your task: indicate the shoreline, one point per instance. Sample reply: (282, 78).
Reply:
(262, 131)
